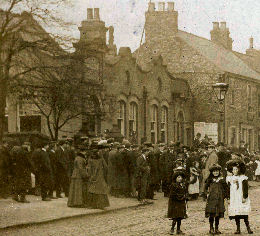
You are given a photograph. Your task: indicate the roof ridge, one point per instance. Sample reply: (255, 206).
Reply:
(229, 52)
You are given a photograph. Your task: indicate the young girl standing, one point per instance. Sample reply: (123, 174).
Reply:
(177, 200)
(215, 192)
(239, 207)
(257, 171)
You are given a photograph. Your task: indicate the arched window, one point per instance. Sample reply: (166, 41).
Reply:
(121, 120)
(164, 125)
(154, 124)
(133, 118)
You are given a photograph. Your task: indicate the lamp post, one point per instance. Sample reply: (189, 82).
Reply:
(220, 90)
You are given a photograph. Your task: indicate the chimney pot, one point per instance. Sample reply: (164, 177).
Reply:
(215, 25)
(170, 6)
(151, 6)
(90, 14)
(96, 14)
(161, 6)
(223, 25)
(251, 42)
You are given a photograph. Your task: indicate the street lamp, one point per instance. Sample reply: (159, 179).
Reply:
(220, 90)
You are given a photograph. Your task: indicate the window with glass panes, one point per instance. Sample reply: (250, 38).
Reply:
(154, 124)
(164, 124)
(121, 120)
(133, 109)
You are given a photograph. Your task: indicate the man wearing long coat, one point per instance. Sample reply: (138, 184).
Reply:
(154, 174)
(62, 170)
(5, 160)
(42, 164)
(53, 163)
(212, 159)
(112, 177)
(21, 172)
(143, 172)
(122, 172)
(133, 155)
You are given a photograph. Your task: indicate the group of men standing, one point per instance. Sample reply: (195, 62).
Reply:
(132, 170)
(50, 164)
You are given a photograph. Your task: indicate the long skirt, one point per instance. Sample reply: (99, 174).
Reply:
(77, 193)
(97, 201)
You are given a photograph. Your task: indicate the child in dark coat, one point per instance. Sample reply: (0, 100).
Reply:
(216, 189)
(177, 200)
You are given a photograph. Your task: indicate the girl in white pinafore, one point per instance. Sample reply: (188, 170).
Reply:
(239, 207)
(257, 171)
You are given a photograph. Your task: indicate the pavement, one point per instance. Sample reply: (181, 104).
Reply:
(18, 215)
(14, 214)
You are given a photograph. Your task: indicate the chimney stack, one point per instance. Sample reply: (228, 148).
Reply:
(223, 25)
(251, 43)
(151, 6)
(170, 6)
(215, 25)
(161, 6)
(90, 14)
(96, 14)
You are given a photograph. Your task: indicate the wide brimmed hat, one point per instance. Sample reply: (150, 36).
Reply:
(177, 173)
(215, 167)
(238, 163)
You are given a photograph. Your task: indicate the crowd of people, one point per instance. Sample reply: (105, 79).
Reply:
(87, 174)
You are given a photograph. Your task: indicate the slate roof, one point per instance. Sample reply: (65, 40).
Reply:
(223, 58)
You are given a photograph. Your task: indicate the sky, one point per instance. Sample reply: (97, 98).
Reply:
(195, 16)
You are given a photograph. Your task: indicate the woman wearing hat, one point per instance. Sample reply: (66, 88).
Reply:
(97, 196)
(78, 188)
(177, 200)
(239, 206)
(215, 191)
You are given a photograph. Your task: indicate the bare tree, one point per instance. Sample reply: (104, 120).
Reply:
(23, 39)
(60, 93)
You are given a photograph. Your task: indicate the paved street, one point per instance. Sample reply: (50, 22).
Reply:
(146, 220)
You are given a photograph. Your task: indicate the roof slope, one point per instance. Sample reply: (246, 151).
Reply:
(224, 59)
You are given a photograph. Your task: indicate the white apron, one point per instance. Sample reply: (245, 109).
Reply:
(257, 171)
(236, 207)
(194, 188)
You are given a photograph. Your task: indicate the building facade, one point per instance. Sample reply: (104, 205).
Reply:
(145, 104)
(202, 63)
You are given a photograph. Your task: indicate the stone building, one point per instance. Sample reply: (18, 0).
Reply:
(146, 104)
(202, 63)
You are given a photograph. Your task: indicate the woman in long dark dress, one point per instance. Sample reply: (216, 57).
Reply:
(97, 185)
(78, 185)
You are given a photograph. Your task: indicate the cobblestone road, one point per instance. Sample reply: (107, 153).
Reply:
(145, 220)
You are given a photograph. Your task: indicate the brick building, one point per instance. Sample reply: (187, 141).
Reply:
(202, 62)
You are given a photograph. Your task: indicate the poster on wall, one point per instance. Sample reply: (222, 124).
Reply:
(209, 129)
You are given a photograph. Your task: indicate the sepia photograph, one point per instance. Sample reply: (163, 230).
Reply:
(129, 117)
